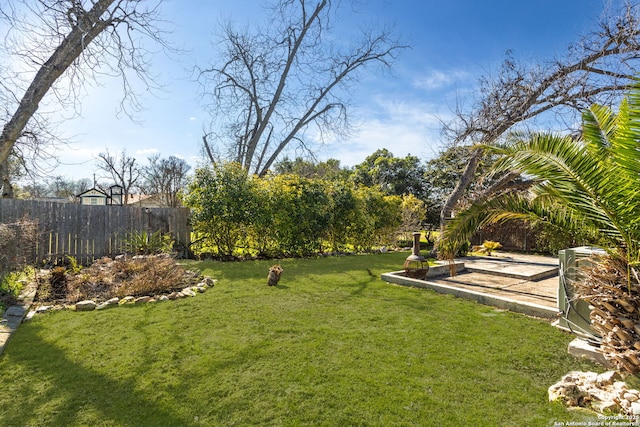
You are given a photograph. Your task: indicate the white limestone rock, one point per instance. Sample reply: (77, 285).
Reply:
(188, 292)
(631, 397)
(86, 305)
(607, 378)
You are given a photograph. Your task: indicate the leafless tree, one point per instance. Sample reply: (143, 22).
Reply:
(598, 68)
(122, 170)
(166, 177)
(52, 48)
(271, 86)
(61, 187)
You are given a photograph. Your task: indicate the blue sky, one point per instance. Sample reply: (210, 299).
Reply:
(452, 43)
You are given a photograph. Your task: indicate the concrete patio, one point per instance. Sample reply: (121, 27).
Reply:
(522, 283)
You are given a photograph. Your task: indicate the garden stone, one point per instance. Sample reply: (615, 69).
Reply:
(631, 397)
(163, 298)
(209, 281)
(113, 301)
(13, 316)
(86, 305)
(599, 392)
(607, 378)
(143, 299)
(188, 292)
(635, 408)
(14, 311)
(608, 406)
(103, 305)
(173, 296)
(201, 289)
(126, 300)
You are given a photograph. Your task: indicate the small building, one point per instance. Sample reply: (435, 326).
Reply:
(97, 197)
(93, 197)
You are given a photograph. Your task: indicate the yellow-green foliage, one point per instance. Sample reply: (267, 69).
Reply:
(234, 213)
(12, 283)
(145, 243)
(489, 246)
(74, 266)
(413, 213)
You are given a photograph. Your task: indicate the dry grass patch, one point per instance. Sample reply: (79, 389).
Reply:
(108, 278)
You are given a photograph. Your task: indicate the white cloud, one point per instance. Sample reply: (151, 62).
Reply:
(436, 79)
(147, 151)
(402, 127)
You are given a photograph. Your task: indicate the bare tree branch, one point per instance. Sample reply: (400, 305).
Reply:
(166, 177)
(52, 48)
(121, 169)
(274, 84)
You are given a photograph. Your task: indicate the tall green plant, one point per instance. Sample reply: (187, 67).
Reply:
(146, 243)
(300, 213)
(222, 203)
(342, 212)
(378, 218)
(589, 184)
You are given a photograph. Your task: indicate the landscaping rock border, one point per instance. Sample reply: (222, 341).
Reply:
(90, 305)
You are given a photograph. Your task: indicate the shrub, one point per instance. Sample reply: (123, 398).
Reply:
(286, 215)
(17, 244)
(145, 243)
(342, 213)
(300, 210)
(222, 203)
(377, 221)
(11, 284)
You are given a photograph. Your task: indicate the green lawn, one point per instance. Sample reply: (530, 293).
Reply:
(332, 345)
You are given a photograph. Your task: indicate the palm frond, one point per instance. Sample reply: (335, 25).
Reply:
(593, 182)
(502, 208)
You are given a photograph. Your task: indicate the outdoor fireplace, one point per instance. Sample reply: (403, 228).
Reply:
(416, 266)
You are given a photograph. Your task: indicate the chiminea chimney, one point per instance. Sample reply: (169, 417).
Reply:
(416, 266)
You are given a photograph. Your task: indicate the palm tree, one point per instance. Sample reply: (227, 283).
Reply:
(592, 184)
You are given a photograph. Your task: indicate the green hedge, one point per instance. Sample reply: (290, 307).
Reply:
(236, 214)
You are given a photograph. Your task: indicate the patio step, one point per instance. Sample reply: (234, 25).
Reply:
(509, 267)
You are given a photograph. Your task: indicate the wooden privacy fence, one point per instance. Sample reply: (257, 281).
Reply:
(91, 232)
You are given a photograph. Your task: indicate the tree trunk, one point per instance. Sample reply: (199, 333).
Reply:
(465, 180)
(5, 181)
(88, 27)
